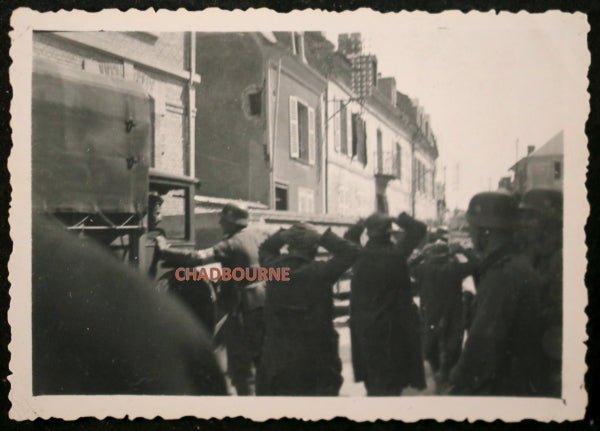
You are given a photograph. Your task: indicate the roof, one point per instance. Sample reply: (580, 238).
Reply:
(554, 147)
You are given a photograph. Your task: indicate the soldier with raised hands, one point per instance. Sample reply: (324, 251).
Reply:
(384, 321)
(300, 352)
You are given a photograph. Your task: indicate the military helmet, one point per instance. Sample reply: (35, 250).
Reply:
(494, 210)
(234, 214)
(546, 202)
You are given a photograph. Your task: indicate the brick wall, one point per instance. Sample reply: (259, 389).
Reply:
(171, 135)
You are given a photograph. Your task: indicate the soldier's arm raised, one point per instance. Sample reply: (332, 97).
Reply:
(344, 253)
(415, 232)
(355, 231)
(270, 249)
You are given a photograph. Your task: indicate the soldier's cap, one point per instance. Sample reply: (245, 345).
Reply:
(546, 202)
(494, 210)
(303, 236)
(155, 199)
(378, 224)
(235, 214)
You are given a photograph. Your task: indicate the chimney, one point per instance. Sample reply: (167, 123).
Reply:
(350, 44)
(364, 74)
(388, 87)
(530, 149)
(298, 44)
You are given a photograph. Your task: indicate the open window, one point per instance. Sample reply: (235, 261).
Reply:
(177, 210)
(281, 197)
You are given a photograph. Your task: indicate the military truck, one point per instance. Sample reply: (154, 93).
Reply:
(92, 141)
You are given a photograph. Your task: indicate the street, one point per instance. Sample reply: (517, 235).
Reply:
(352, 389)
(349, 388)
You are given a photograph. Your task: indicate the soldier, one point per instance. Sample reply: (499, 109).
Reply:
(300, 354)
(502, 355)
(541, 230)
(198, 296)
(438, 275)
(243, 300)
(384, 320)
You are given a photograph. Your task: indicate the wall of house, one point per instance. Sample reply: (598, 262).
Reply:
(540, 172)
(350, 183)
(231, 142)
(299, 176)
(398, 191)
(159, 62)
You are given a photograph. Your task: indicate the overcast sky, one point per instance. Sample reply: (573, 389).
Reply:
(486, 81)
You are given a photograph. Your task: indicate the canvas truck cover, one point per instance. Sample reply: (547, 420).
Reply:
(91, 138)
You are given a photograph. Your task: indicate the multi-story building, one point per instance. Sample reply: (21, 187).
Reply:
(260, 121)
(380, 149)
(163, 64)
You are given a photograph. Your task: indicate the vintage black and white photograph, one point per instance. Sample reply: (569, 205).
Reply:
(284, 214)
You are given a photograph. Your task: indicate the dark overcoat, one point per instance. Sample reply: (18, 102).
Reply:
(300, 352)
(503, 351)
(384, 320)
(439, 284)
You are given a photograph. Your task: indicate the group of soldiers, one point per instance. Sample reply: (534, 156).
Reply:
(513, 320)
(280, 337)
(99, 328)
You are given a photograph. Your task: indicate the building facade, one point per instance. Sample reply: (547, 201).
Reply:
(381, 152)
(260, 126)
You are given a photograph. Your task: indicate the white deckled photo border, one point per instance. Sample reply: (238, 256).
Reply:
(25, 406)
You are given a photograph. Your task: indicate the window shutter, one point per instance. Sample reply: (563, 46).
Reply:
(362, 144)
(346, 130)
(336, 131)
(294, 146)
(311, 136)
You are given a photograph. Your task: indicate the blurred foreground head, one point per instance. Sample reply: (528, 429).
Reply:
(100, 327)
(493, 218)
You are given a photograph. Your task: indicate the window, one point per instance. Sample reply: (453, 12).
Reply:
(557, 170)
(398, 162)
(306, 200)
(302, 131)
(281, 197)
(420, 175)
(255, 103)
(359, 139)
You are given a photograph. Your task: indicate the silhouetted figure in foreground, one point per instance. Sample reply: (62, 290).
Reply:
(99, 327)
